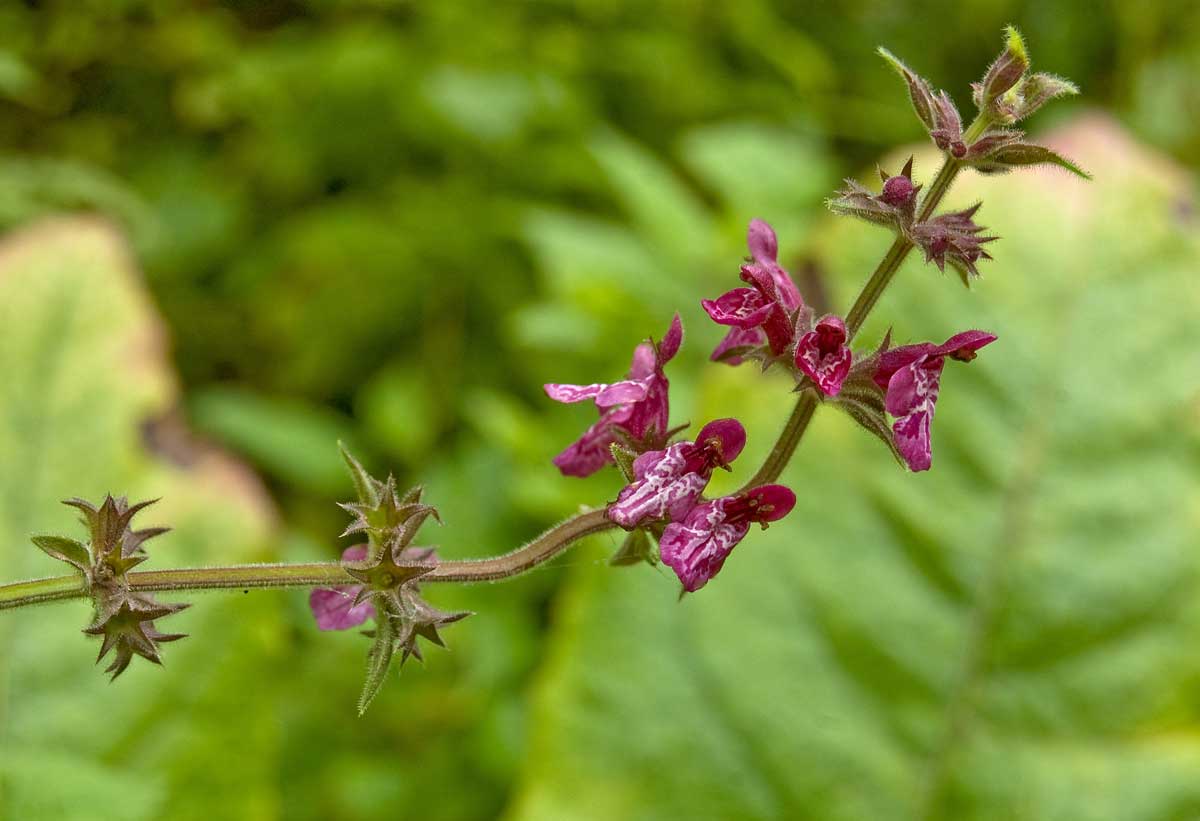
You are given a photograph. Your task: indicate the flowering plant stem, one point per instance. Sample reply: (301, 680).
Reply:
(546, 546)
(312, 574)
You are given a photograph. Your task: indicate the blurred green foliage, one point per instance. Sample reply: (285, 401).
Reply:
(390, 222)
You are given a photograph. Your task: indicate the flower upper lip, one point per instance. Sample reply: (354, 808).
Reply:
(636, 407)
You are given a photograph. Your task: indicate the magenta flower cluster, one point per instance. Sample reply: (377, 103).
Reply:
(819, 353)
(768, 321)
(771, 322)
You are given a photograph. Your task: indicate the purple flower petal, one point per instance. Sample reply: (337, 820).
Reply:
(357, 553)
(648, 360)
(738, 338)
(730, 435)
(589, 452)
(652, 414)
(667, 489)
(606, 396)
(789, 294)
(667, 483)
(912, 439)
(769, 503)
(823, 355)
(334, 607)
(763, 282)
(760, 237)
(621, 393)
(671, 342)
(914, 385)
(764, 249)
(894, 359)
(638, 405)
(770, 304)
(643, 463)
(775, 323)
(963, 346)
(741, 307)
(911, 397)
(644, 363)
(697, 547)
(573, 393)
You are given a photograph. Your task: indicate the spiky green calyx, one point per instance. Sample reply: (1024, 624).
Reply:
(123, 619)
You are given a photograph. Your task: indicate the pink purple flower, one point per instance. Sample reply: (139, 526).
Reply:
(823, 355)
(761, 315)
(334, 607)
(636, 408)
(345, 606)
(667, 483)
(910, 376)
(696, 547)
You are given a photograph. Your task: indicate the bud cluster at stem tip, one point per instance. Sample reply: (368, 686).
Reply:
(1007, 94)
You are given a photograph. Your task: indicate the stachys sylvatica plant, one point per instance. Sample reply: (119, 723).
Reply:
(891, 391)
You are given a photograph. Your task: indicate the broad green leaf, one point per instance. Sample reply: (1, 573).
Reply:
(766, 172)
(289, 438)
(71, 551)
(487, 106)
(1014, 634)
(85, 404)
(397, 409)
(666, 211)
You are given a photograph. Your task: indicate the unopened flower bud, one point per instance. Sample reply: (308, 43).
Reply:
(1005, 71)
(898, 191)
(893, 206)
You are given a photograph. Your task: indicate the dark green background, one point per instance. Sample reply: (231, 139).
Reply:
(390, 222)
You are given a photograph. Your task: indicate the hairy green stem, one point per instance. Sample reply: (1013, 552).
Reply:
(554, 541)
(37, 591)
(312, 574)
(788, 439)
(545, 547)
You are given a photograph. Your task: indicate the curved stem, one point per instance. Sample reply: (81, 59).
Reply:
(312, 574)
(545, 547)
